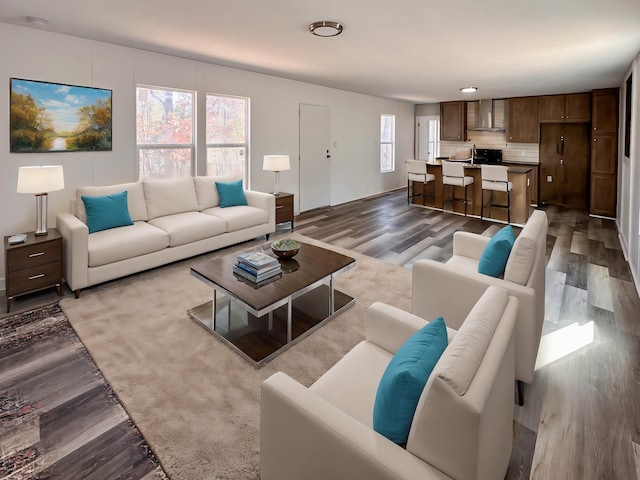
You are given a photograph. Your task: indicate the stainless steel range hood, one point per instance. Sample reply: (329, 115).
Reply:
(490, 116)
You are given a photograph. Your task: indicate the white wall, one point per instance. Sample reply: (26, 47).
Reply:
(628, 214)
(39, 55)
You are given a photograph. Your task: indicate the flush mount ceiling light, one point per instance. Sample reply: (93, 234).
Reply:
(36, 21)
(325, 28)
(469, 89)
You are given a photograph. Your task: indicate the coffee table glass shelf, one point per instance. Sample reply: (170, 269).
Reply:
(260, 323)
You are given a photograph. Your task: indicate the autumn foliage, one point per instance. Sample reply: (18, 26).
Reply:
(31, 125)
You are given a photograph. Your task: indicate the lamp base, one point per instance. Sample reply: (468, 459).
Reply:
(276, 183)
(41, 214)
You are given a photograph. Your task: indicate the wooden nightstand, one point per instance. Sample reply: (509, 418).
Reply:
(284, 207)
(33, 265)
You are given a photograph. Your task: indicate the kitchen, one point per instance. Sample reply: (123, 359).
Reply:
(569, 140)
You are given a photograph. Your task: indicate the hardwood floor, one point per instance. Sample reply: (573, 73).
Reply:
(581, 418)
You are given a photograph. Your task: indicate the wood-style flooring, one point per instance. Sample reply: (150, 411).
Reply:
(581, 417)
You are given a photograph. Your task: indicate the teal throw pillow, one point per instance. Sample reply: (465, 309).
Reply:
(493, 260)
(108, 211)
(404, 379)
(231, 194)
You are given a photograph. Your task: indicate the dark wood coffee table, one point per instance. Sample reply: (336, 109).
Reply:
(259, 323)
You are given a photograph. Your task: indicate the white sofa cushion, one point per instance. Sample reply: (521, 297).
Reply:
(239, 217)
(207, 192)
(120, 243)
(345, 387)
(458, 364)
(523, 253)
(189, 227)
(168, 197)
(135, 199)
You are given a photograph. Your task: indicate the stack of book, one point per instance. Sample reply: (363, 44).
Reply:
(257, 267)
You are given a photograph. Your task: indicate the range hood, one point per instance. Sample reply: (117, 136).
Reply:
(490, 116)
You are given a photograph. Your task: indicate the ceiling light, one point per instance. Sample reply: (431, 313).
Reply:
(36, 21)
(469, 89)
(325, 28)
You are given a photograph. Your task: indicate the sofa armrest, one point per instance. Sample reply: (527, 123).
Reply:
(469, 244)
(75, 248)
(389, 327)
(265, 201)
(441, 289)
(304, 436)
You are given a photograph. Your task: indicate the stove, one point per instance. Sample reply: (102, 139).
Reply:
(488, 155)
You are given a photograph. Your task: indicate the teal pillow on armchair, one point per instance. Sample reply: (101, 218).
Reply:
(493, 260)
(405, 378)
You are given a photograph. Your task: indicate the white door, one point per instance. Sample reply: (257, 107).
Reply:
(315, 160)
(428, 128)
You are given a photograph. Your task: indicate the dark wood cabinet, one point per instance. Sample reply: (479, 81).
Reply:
(605, 112)
(284, 208)
(453, 121)
(532, 179)
(33, 265)
(524, 120)
(574, 107)
(604, 152)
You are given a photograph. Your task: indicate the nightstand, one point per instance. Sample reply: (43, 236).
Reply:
(284, 207)
(33, 265)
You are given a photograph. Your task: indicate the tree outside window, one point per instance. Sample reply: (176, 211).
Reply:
(387, 143)
(164, 126)
(227, 136)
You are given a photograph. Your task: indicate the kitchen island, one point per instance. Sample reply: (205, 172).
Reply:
(520, 176)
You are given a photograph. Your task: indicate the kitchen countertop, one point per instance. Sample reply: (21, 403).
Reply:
(512, 168)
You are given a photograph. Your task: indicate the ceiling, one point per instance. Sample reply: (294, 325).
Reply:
(421, 51)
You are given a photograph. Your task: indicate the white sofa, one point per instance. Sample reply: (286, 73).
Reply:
(173, 220)
(451, 289)
(462, 428)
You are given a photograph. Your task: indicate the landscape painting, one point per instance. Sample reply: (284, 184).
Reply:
(53, 117)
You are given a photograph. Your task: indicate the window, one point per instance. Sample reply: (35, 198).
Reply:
(164, 125)
(387, 143)
(227, 136)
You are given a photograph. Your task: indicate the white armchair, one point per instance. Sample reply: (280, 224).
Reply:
(459, 282)
(462, 428)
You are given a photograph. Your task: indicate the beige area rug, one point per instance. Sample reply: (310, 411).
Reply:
(196, 402)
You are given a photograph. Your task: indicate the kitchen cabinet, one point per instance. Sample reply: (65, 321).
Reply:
(605, 111)
(574, 107)
(604, 152)
(524, 120)
(453, 121)
(533, 180)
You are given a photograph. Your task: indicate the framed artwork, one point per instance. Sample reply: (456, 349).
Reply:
(54, 117)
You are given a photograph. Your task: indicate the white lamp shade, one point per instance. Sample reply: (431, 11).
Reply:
(40, 179)
(276, 163)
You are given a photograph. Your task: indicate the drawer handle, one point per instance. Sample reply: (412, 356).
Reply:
(281, 206)
(35, 277)
(36, 254)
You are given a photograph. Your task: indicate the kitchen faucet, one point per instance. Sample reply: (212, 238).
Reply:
(473, 153)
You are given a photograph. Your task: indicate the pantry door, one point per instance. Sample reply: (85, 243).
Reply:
(315, 158)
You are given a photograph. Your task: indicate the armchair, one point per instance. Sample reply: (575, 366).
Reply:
(462, 428)
(459, 281)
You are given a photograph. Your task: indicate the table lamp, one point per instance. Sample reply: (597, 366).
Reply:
(40, 180)
(276, 164)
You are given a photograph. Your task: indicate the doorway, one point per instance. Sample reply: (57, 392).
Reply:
(564, 164)
(428, 129)
(315, 160)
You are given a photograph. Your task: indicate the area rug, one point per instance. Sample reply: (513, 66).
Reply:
(59, 418)
(195, 401)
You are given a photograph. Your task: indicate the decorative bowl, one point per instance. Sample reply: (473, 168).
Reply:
(285, 248)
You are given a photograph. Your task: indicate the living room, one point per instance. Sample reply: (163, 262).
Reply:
(40, 54)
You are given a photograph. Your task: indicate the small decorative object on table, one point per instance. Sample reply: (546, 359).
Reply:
(285, 248)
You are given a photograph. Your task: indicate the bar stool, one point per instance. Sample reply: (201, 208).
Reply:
(495, 178)
(453, 174)
(417, 172)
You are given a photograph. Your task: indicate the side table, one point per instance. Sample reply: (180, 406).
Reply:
(284, 207)
(33, 265)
